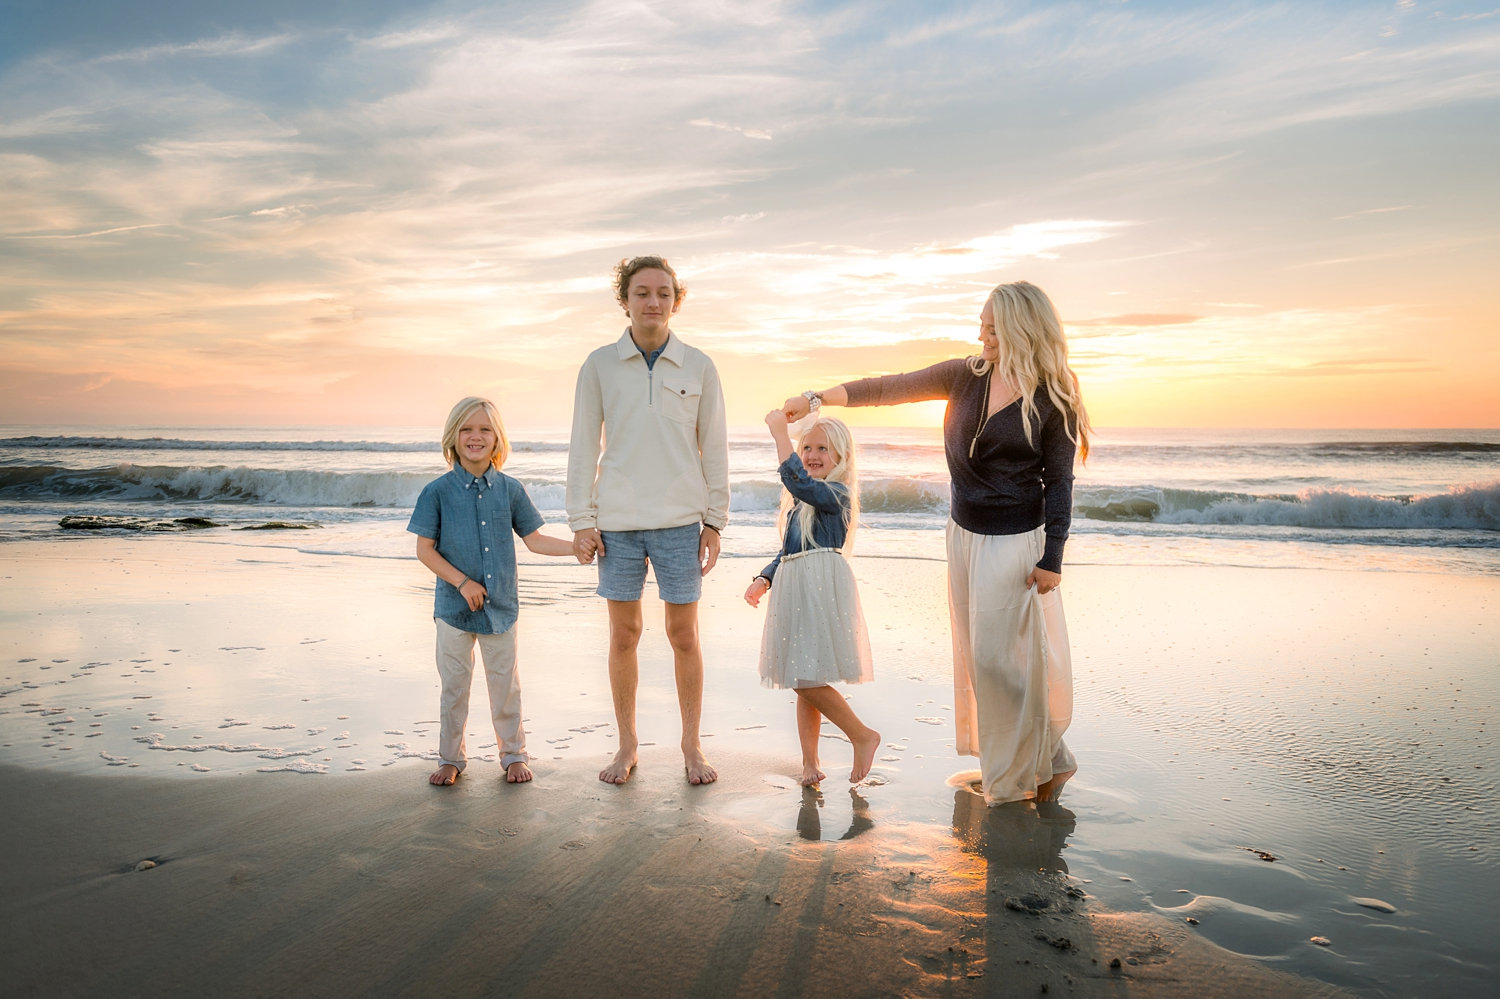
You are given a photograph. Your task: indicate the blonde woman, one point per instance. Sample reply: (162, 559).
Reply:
(1015, 422)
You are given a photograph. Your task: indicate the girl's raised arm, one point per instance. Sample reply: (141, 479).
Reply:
(776, 421)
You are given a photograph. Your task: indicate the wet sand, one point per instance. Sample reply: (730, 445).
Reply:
(258, 724)
(376, 886)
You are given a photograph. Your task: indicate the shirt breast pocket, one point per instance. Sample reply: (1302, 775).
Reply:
(679, 399)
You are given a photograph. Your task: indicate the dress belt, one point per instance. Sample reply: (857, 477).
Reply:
(810, 551)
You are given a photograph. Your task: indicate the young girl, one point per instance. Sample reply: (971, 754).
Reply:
(815, 632)
(463, 520)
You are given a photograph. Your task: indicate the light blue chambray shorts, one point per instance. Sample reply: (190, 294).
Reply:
(673, 554)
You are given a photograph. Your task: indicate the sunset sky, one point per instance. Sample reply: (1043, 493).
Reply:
(285, 212)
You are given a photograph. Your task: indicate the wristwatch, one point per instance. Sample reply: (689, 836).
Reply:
(814, 400)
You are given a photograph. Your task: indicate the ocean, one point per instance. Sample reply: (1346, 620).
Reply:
(1407, 500)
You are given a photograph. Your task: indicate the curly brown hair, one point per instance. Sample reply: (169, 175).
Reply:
(630, 266)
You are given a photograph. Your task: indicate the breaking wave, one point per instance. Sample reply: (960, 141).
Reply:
(1469, 507)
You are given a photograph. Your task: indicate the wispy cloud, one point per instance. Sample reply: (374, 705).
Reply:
(225, 45)
(87, 235)
(1374, 211)
(1138, 319)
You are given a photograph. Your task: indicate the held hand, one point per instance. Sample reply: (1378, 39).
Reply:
(795, 408)
(756, 590)
(474, 593)
(708, 549)
(1043, 580)
(586, 544)
(776, 420)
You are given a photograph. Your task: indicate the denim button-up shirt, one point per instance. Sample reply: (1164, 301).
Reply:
(471, 519)
(830, 523)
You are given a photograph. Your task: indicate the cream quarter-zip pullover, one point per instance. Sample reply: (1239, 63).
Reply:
(650, 447)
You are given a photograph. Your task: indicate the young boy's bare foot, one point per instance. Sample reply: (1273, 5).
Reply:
(810, 775)
(698, 770)
(618, 771)
(517, 773)
(864, 755)
(1052, 788)
(444, 775)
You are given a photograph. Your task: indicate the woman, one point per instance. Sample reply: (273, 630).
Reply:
(1014, 422)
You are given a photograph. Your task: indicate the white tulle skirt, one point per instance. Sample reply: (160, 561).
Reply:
(815, 631)
(1012, 668)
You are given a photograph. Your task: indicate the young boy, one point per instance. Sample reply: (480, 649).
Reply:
(463, 521)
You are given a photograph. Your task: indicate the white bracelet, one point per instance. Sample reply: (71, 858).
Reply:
(814, 400)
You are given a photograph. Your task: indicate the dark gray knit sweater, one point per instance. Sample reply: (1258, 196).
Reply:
(1008, 486)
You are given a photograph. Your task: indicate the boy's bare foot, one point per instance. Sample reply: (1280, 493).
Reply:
(864, 755)
(517, 773)
(618, 771)
(444, 775)
(1052, 788)
(698, 770)
(810, 775)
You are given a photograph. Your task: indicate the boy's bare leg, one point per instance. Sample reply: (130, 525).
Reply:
(837, 710)
(444, 775)
(687, 659)
(809, 728)
(624, 676)
(517, 773)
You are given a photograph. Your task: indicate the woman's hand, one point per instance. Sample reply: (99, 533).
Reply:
(757, 589)
(795, 408)
(1044, 581)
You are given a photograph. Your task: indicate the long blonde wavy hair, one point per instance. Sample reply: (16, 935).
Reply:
(1034, 352)
(841, 441)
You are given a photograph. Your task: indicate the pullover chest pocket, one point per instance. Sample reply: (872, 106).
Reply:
(679, 398)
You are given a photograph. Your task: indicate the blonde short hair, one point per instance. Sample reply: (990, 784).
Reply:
(460, 415)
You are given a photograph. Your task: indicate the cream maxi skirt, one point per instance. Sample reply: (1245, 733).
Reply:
(815, 632)
(1012, 671)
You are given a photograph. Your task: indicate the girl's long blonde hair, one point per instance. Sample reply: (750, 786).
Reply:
(841, 440)
(456, 419)
(1033, 352)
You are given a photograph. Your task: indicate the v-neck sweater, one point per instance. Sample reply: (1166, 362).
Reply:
(1009, 485)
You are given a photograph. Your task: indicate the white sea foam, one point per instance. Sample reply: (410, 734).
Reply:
(1392, 489)
(1473, 507)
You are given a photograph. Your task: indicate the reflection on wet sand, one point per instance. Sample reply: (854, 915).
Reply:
(1022, 844)
(1018, 835)
(810, 820)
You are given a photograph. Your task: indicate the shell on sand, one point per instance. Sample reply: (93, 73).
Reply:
(1374, 903)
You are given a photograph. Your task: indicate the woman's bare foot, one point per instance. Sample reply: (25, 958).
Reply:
(811, 774)
(864, 755)
(517, 773)
(698, 770)
(1052, 788)
(444, 775)
(618, 771)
